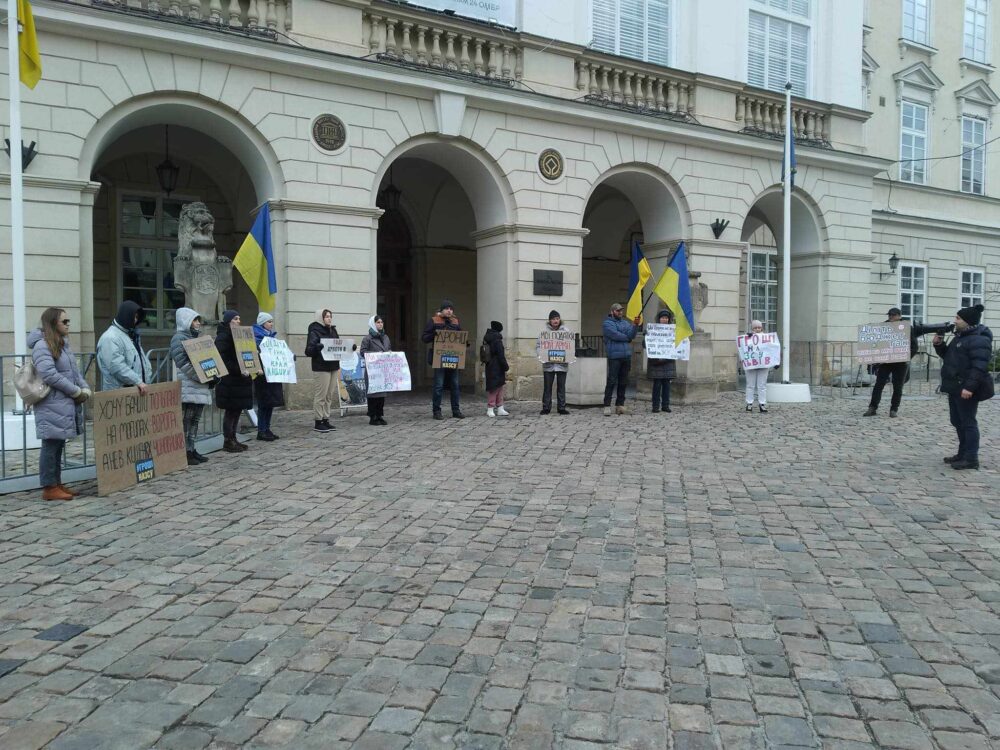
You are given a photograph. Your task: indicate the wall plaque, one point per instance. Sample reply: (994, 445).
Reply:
(329, 133)
(550, 164)
(548, 283)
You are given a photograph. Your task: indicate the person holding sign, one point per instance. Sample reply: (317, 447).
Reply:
(324, 370)
(897, 371)
(444, 320)
(661, 371)
(120, 356)
(58, 416)
(195, 395)
(268, 395)
(495, 370)
(234, 393)
(377, 340)
(756, 377)
(618, 335)
(553, 371)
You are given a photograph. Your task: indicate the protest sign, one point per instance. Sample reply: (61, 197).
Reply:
(449, 349)
(388, 372)
(759, 351)
(660, 342)
(137, 437)
(205, 358)
(557, 347)
(351, 384)
(246, 350)
(278, 361)
(883, 343)
(335, 350)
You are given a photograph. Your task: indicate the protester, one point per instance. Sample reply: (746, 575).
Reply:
(267, 395)
(324, 371)
(58, 416)
(966, 379)
(195, 395)
(377, 340)
(618, 335)
(757, 378)
(553, 372)
(120, 357)
(496, 368)
(234, 393)
(661, 371)
(444, 320)
(897, 371)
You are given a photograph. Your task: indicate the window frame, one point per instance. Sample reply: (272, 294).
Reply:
(911, 36)
(770, 284)
(900, 291)
(971, 153)
(968, 300)
(972, 53)
(670, 37)
(771, 16)
(903, 131)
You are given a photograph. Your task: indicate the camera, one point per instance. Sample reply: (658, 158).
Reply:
(940, 329)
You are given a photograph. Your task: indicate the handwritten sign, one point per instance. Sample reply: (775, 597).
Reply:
(388, 372)
(449, 349)
(557, 347)
(205, 358)
(246, 351)
(335, 350)
(277, 360)
(882, 343)
(137, 437)
(759, 351)
(660, 342)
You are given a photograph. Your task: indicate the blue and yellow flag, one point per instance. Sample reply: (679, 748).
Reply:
(639, 274)
(675, 291)
(29, 58)
(255, 261)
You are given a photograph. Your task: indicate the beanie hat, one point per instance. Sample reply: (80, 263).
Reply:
(446, 303)
(264, 318)
(972, 315)
(228, 315)
(554, 314)
(496, 325)
(894, 311)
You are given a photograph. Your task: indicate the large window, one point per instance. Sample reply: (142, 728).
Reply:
(913, 143)
(977, 15)
(148, 243)
(970, 290)
(778, 52)
(915, 20)
(973, 155)
(633, 28)
(912, 291)
(763, 289)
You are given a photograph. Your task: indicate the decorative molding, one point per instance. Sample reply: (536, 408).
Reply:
(56, 183)
(978, 92)
(967, 64)
(919, 76)
(327, 208)
(511, 229)
(910, 44)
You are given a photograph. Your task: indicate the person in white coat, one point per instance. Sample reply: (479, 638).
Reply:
(757, 379)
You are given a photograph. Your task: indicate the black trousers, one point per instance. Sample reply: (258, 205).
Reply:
(617, 380)
(661, 392)
(963, 419)
(559, 378)
(897, 372)
(230, 421)
(376, 406)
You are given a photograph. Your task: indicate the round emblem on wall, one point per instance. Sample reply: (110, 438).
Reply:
(329, 133)
(550, 164)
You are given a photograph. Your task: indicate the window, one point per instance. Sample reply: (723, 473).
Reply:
(795, 7)
(976, 23)
(971, 287)
(912, 291)
(915, 15)
(148, 243)
(913, 143)
(763, 289)
(973, 155)
(778, 52)
(633, 28)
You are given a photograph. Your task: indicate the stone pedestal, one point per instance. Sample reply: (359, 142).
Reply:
(696, 380)
(585, 381)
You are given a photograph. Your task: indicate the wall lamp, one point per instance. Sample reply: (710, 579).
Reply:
(718, 227)
(893, 263)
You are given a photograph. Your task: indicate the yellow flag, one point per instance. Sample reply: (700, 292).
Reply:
(29, 58)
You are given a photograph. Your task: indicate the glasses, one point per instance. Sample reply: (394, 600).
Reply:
(65, 321)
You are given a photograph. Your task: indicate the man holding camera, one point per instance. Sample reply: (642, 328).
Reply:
(965, 378)
(895, 370)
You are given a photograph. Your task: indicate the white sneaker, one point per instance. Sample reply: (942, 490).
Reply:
(501, 412)
(489, 412)
(607, 411)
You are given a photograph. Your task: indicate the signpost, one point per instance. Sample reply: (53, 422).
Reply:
(449, 349)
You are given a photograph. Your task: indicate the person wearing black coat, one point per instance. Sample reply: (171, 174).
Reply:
(325, 369)
(234, 393)
(444, 320)
(375, 342)
(897, 371)
(496, 370)
(966, 379)
(661, 371)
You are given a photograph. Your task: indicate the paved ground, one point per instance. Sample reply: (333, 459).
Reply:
(702, 579)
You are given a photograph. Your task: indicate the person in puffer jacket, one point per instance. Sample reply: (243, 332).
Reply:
(195, 395)
(268, 396)
(966, 379)
(234, 393)
(618, 334)
(120, 357)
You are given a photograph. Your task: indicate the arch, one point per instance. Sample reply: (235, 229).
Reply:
(809, 229)
(658, 199)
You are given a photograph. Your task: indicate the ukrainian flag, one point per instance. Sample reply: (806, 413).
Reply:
(29, 58)
(639, 274)
(255, 261)
(675, 291)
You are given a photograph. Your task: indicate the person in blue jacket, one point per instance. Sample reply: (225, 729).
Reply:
(618, 335)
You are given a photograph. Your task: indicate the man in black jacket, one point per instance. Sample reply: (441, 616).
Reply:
(965, 378)
(895, 370)
(444, 320)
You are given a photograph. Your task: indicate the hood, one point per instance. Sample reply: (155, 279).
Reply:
(492, 335)
(185, 317)
(548, 327)
(319, 316)
(371, 325)
(259, 333)
(977, 330)
(34, 337)
(125, 316)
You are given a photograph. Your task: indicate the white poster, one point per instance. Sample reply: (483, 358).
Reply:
(388, 372)
(335, 350)
(660, 342)
(277, 360)
(499, 11)
(759, 351)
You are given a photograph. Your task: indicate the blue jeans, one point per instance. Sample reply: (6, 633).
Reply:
(963, 418)
(441, 376)
(617, 379)
(264, 418)
(50, 462)
(661, 391)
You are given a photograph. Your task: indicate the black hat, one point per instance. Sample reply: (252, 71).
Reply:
(447, 303)
(972, 315)
(496, 325)
(894, 311)
(554, 314)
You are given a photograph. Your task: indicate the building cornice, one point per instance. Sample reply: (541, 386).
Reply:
(911, 221)
(328, 208)
(55, 183)
(512, 229)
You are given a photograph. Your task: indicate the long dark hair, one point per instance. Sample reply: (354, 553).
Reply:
(50, 330)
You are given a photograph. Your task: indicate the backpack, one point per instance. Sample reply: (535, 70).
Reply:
(29, 384)
(485, 353)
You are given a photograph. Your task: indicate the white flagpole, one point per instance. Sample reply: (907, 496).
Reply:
(786, 249)
(16, 183)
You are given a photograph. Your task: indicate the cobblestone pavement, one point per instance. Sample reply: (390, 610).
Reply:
(702, 579)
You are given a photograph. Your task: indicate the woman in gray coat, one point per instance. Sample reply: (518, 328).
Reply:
(58, 416)
(376, 341)
(195, 395)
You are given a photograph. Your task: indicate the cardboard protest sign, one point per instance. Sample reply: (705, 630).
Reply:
(660, 342)
(557, 347)
(759, 351)
(351, 383)
(388, 372)
(137, 437)
(278, 361)
(246, 350)
(335, 350)
(883, 343)
(205, 358)
(449, 349)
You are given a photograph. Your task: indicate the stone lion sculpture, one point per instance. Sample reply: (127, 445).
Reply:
(199, 271)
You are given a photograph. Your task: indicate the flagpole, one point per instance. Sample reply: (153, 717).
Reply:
(16, 184)
(786, 249)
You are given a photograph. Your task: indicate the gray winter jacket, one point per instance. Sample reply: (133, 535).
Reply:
(192, 391)
(122, 365)
(551, 366)
(57, 417)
